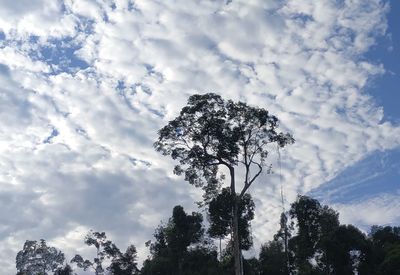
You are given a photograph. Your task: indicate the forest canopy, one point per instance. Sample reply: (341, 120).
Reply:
(310, 241)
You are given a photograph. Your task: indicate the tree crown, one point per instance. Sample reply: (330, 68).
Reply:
(211, 131)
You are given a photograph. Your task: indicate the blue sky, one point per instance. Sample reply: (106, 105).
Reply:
(387, 51)
(85, 85)
(378, 173)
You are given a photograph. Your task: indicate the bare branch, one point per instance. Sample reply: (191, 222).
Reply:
(247, 185)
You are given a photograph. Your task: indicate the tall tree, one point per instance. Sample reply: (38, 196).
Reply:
(38, 258)
(315, 223)
(345, 248)
(105, 249)
(321, 245)
(211, 132)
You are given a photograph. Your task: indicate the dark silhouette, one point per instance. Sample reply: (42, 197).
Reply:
(220, 211)
(125, 264)
(105, 249)
(170, 253)
(66, 270)
(38, 258)
(317, 245)
(211, 132)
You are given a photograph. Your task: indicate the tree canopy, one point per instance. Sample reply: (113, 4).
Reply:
(182, 247)
(121, 263)
(211, 132)
(38, 258)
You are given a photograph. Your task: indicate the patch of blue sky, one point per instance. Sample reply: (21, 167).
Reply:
(385, 89)
(125, 92)
(131, 6)
(379, 173)
(53, 134)
(85, 25)
(61, 56)
(302, 18)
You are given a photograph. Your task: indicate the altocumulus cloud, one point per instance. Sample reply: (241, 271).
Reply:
(85, 85)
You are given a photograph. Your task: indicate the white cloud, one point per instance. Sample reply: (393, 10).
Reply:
(379, 210)
(97, 169)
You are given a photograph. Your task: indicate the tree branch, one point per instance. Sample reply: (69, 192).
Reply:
(247, 185)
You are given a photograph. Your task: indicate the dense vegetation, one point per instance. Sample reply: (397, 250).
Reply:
(310, 241)
(209, 133)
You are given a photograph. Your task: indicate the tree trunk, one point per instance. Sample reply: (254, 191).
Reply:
(236, 248)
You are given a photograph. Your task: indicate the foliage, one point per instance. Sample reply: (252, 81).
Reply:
(211, 132)
(383, 254)
(180, 246)
(125, 264)
(315, 224)
(105, 249)
(220, 216)
(317, 244)
(66, 270)
(272, 259)
(38, 258)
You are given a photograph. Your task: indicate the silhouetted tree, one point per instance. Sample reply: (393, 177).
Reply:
(220, 213)
(282, 239)
(383, 254)
(211, 132)
(343, 249)
(272, 259)
(315, 224)
(105, 249)
(201, 260)
(320, 245)
(66, 270)
(125, 264)
(38, 258)
(170, 253)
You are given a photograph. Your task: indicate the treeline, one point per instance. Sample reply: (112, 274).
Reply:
(310, 241)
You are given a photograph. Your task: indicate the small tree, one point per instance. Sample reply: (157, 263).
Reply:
(173, 240)
(125, 264)
(38, 258)
(221, 216)
(272, 259)
(211, 132)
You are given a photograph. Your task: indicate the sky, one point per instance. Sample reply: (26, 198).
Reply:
(85, 85)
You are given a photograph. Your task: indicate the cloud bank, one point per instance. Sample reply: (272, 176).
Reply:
(85, 85)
